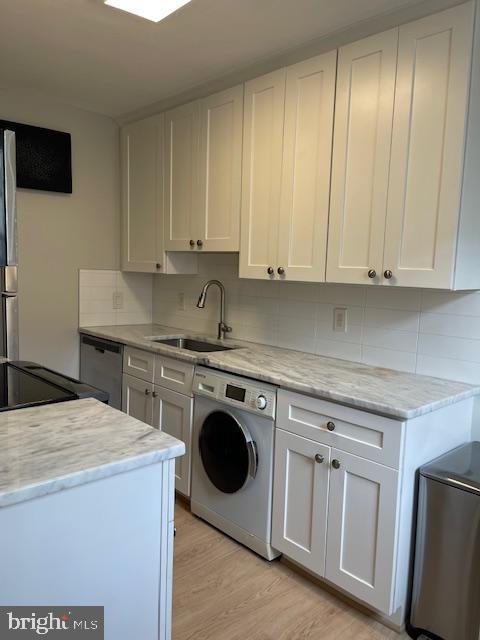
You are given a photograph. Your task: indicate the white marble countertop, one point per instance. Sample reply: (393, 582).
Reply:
(384, 391)
(54, 447)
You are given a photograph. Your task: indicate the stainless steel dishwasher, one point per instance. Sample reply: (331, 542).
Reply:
(101, 364)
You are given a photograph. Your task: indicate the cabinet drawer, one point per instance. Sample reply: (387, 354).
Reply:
(358, 432)
(174, 374)
(139, 363)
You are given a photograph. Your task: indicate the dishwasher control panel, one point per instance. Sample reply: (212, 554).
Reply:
(250, 395)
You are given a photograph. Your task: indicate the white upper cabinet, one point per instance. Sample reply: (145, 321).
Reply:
(142, 193)
(307, 153)
(203, 173)
(361, 156)
(288, 131)
(433, 80)
(181, 175)
(261, 173)
(220, 171)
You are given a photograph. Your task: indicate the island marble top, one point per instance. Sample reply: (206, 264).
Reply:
(57, 446)
(384, 391)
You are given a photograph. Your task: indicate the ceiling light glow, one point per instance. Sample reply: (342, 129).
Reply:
(154, 10)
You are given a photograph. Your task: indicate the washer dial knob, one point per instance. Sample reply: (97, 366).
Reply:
(261, 402)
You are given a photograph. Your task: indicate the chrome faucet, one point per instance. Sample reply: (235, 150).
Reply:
(223, 328)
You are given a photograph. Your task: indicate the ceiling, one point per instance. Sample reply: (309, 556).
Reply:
(98, 58)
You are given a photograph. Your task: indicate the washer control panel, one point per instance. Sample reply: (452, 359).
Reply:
(243, 393)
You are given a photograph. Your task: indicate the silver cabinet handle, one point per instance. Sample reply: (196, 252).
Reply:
(331, 426)
(154, 394)
(388, 274)
(372, 273)
(147, 392)
(158, 265)
(199, 243)
(319, 458)
(281, 271)
(270, 271)
(336, 464)
(192, 243)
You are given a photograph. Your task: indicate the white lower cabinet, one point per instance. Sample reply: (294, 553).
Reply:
(137, 398)
(172, 413)
(300, 500)
(362, 516)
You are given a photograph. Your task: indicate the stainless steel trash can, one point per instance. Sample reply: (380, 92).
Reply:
(446, 579)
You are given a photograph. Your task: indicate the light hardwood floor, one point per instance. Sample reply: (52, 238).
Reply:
(222, 591)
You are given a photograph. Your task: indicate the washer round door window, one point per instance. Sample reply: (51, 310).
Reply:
(228, 453)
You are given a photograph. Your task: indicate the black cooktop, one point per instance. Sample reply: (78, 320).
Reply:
(27, 384)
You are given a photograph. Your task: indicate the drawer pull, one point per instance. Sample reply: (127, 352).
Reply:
(147, 392)
(336, 464)
(331, 426)
(154, 394)
(319, 458)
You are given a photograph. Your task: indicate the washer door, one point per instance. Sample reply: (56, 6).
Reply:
(227, 451)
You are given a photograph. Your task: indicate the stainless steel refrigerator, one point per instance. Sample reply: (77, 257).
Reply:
(8, 247)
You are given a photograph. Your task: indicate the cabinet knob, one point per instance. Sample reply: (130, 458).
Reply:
(387, 274)
(331, 426)
(319, 458)
(281, 271)
(199, 243)
(270, 271)
(147, 392)
(154, 394)
(192, 243)
(336, 464)
(158, 265)
(372, 273)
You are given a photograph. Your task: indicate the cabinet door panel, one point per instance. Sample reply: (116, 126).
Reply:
(181, 149)
(220, 170)
(261, 173)
(137, 398)
(142, 195)
(361, 534)
(307, 152)
(172, 413)
(361, 156)
(300, 499)
(427, 148)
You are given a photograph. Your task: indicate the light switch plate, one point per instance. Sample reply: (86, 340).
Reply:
(117, 300)
(340, 319)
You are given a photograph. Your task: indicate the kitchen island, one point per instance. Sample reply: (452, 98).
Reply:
(86, 515)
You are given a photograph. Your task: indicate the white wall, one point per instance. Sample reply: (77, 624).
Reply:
(431, 332)
(58, 233)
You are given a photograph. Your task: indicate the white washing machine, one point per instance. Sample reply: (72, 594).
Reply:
(232, 456)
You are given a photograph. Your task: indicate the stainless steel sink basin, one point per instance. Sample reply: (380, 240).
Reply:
(191, 344)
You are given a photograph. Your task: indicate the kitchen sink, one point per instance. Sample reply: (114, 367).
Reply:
(191, 344)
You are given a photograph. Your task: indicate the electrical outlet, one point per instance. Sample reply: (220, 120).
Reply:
(117, 300)
(181, 301)
(340, 319)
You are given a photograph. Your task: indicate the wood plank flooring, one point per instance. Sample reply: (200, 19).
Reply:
(222, 591)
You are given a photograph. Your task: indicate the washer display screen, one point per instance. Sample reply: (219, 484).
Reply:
(235, 393)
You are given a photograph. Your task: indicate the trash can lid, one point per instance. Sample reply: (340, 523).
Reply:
(459, 468)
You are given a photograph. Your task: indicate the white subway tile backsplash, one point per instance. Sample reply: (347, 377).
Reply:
(389, 358)
(97, 290)
(431, 332)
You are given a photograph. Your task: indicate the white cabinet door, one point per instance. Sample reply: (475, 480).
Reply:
(181, 176)
(361, 537)
(137, 398)
(307, 153)
(300, 499)
(361, 157)
(142, 195)
(427, 148)
(220, 171)
(261, 173)
(172, 413)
